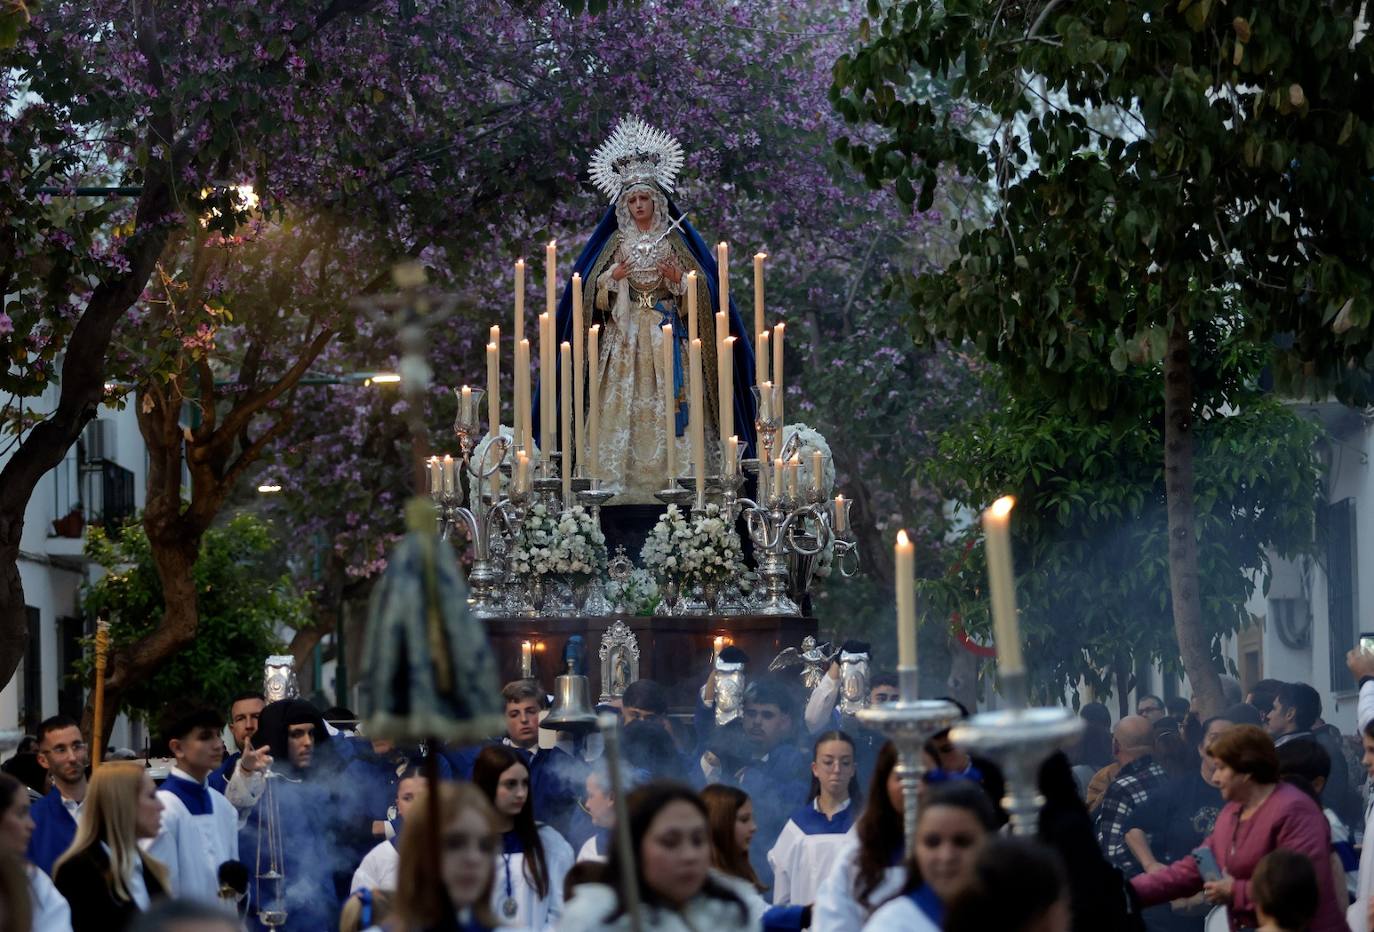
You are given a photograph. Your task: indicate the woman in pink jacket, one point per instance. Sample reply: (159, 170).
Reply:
(1261, 815)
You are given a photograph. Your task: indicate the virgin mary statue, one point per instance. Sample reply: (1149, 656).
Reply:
(636, 267)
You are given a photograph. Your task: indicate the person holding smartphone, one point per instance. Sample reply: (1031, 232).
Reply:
(1261, 815)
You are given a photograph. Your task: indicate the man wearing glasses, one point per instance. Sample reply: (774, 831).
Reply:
(63, 753)
(1150, 708)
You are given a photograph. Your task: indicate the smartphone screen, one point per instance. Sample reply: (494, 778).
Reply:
(1367, 642)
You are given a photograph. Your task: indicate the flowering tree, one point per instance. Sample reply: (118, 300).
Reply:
(452, 132)
(753, 116)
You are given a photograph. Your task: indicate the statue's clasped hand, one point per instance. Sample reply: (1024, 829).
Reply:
(671, 272)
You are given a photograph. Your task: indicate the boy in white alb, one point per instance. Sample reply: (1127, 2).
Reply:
(199, 827)
(378, 868)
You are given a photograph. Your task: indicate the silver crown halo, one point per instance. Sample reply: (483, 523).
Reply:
(636, 153)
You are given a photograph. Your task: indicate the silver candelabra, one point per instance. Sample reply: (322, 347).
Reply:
(1018, 740)
(486, 509)
(785, 525)
(909, 723)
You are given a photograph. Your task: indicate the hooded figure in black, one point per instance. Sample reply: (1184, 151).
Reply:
(289, 818)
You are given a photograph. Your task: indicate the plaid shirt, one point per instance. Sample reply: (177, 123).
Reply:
(1133, 786)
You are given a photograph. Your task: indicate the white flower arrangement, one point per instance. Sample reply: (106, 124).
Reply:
(671, 534)
(703, 550)
(564, 543)
(809, 439)
(636, 593)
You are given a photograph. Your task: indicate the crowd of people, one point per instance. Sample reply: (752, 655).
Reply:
(789, 816)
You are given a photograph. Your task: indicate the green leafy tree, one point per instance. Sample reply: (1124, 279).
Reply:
(245, 598)
(1091, 534)
(1232, 183)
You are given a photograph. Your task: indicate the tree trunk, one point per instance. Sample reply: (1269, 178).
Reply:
(963, 676)
(175, 561)
(1193, 643)
(82, 389)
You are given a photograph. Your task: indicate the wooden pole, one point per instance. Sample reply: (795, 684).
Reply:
(102, 650)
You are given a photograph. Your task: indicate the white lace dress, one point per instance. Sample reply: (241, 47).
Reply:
(632, 452)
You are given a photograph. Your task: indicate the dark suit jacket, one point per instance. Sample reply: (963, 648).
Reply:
(85, 881)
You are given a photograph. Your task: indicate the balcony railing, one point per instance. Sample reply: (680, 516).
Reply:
(103, 489)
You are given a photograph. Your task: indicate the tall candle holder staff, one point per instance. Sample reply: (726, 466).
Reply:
(909, 722)
(1018, 738)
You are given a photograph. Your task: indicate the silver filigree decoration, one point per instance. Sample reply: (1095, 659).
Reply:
(619, 654)
(279, 678)
(636, 153)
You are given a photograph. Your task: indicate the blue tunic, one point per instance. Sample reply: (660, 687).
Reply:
(777, 785)
(53, 830)
(219, 780)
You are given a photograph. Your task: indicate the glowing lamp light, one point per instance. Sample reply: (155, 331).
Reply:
(268, 488)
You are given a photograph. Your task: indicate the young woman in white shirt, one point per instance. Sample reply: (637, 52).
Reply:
(679, 891)
(957, 818)
(534, 858)
(456, 892)
(730, 817)
(817, 833)
(49, 908)
(868, 871)
(378, 868)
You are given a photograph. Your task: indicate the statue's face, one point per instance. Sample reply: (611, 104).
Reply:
(641, 206)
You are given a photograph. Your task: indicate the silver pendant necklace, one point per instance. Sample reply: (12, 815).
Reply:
(508, 906)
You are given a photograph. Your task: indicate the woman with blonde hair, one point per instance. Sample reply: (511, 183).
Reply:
(104, 875)
(455, 893)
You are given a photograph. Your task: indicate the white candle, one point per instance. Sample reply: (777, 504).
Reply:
(725, 385)
(698, 419)
(779, 477)
(793, 472)
(692, 305)
(522, 394)
(669, 405)
(761, 358)
(731, 454)
(450, 477)
(778, 390)
(548, 386)
(436, 476)
(526, 660)
(841, 516)
(465, 411)
(906, 601)
(519, 298)
(765, 403)
(551, 278)
(493, 388)
(579, 441)
(817, 461)
(522, 472)
(717, 645)
(565, 394)
(594, 400)
(1001, 582)
(758, 296)
(723, 269)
